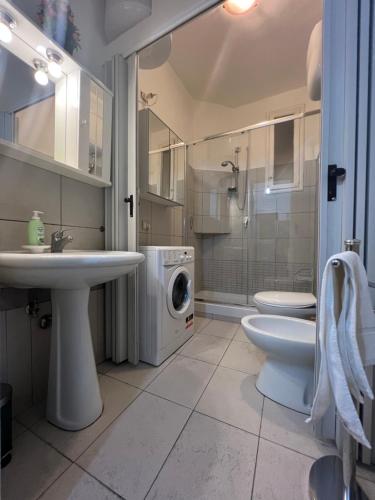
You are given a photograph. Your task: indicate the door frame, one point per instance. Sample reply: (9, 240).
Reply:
(345, 142)
(339, 107)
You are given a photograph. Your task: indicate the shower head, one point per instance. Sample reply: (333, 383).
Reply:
(228, 162)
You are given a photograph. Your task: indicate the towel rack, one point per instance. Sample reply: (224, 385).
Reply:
(326, 473)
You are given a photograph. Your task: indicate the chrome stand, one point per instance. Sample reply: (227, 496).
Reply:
(326, 481)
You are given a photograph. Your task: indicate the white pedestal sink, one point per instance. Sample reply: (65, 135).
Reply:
(74, 400)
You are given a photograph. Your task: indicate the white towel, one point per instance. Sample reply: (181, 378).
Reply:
(347, 342)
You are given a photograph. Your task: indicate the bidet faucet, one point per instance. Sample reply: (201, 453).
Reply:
(59, 241)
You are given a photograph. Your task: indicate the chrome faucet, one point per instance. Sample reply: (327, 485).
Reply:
(59, 241)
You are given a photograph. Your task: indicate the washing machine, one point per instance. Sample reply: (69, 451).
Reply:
(166, 301)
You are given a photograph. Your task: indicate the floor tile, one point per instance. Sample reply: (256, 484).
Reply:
(281, 474)
(183, 381)
(32, 415)
(17, 429)
(241, 336)
(368, 487)
(288, 428)
(140, 375)
(104, 367)
(231, 396)
(34, 467)
(116, 397)
(206, 348)
(186, 343)
(200, 322)
(222, 329)
(76, 484)
(244, 357)
(366, 472)
(211, 460)
(129, 454)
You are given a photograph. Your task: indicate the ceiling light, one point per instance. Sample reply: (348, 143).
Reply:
(40, 74)
(239, 6)
(55, 61)
(7, 25)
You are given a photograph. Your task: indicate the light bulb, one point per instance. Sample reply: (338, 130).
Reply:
(239, 6)
(5, 33)
(55, 60)
(42, 50)
(54, 69)
(41, 77)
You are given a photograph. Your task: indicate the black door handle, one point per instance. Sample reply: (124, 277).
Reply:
(130, 200)
(333, 173)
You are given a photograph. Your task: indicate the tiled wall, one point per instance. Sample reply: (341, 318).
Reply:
(160, 225)
(274, 251)
(66, 203)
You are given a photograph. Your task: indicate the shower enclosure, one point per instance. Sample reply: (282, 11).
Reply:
(251, 209)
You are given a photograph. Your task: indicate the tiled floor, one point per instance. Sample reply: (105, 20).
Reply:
(193, 428)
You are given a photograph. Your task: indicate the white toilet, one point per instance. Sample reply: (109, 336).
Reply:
(294, 304)
(289, 344)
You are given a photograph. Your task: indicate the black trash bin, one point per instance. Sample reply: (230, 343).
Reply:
(6, 423)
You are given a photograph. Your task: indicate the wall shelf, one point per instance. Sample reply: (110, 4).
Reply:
(42, 161)
(160, 200)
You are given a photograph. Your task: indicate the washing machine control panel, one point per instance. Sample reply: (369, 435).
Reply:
(175, 256)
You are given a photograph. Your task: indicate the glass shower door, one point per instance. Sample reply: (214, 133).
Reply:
(281, 242)
(217, 211)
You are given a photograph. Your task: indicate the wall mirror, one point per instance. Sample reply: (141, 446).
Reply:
(53, 114)
(27, 109)
(162, 161)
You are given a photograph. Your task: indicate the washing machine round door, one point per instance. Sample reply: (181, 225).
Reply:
(179, 292)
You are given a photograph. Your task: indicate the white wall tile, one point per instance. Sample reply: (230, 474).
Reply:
(296, 201)
(12, 235)
(266, 226)
(227, 248)
(215, 204)
(296, 250)
(264, 202)
(24, 188)
(265, 250)
(19, 358)
(82, 204)
(85, 238)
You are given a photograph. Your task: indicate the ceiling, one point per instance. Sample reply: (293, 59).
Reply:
(234, 60)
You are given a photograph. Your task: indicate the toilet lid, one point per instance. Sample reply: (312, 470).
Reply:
(286, 299)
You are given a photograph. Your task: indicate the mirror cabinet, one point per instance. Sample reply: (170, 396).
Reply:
(161, 159)
(53, 114)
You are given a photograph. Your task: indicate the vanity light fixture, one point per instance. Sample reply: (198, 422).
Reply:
(7, 25)
(237, 7)
(54, 63)
(40, 74)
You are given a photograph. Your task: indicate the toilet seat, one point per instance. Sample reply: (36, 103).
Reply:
(293, 300)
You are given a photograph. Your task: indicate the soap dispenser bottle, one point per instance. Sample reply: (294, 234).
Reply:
(35, 230)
